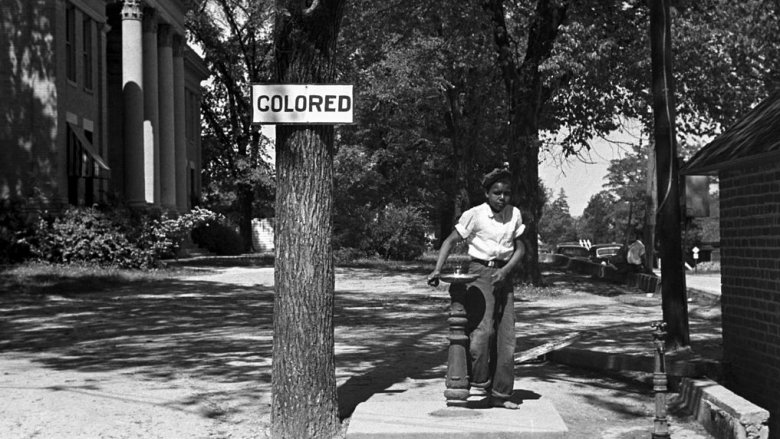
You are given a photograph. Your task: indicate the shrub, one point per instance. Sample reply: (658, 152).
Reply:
(165, 235)
(118, 237)
(87, 235)
(15, 230)
(708, 267)
(399, 232)
(219, 238)
(347, 255)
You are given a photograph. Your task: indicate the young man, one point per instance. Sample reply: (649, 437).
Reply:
(493, 231)
(636, 253)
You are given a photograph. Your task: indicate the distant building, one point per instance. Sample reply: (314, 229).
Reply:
(99, 99)
(746, 157)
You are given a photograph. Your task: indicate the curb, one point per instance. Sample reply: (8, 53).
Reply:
(676, 367)
(721, 412)
(724, 414)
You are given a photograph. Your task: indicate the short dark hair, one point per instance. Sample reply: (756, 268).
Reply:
(494, 176)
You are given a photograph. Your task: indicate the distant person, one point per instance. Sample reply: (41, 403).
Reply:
(636, 254)
(492, 231)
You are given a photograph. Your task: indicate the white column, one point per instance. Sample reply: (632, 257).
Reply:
(133, 95)
(151, 110)
(182, 203)
(167, 142)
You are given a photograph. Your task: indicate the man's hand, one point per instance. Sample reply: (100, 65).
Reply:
(498, 277)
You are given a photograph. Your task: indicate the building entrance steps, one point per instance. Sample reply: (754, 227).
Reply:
(421, 412)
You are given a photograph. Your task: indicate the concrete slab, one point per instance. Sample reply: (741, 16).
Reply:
(426, 419)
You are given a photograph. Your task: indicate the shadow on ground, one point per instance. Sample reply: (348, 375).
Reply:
(389, 328)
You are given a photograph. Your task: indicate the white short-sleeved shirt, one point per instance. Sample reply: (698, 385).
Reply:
(635, 253)
(490, 235)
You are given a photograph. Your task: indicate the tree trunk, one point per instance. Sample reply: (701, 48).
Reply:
(524, 164)
(461, 149)
(527, 97)
(304, 403)
(673, 293)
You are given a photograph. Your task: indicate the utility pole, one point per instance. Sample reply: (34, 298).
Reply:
(673, 291)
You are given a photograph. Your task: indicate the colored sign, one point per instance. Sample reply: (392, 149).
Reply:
(302, 104)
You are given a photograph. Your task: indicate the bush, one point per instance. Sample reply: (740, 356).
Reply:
(15, 231)
(351, 229)
(88, 235)
(708, 267)
(165, 235)
(399, 232)
(118, 237)
(347, 255)
(218, 238)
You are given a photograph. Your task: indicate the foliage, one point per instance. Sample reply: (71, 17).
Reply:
(15, 230)
(708, 267)
(218, 238)
(428, 117)
(627, 183)
(558, 224)
(598, 222)
(117, 237)
(88, 235)
(238, 179)
(399, 232)
(727, 60)
(347, 255)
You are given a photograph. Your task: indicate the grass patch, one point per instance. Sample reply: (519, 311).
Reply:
(46, 278)
(707, 268)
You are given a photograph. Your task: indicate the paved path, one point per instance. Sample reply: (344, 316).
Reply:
(709, 283)
(200, 346)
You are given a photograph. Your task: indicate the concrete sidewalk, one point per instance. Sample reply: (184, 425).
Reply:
(617, 323)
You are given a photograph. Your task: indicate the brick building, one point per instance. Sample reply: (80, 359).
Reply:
(100, 101)
(746, 158)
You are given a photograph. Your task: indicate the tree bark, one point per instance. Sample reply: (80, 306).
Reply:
(527, 97)
(461, 148)
(304, 403)
(673, 293)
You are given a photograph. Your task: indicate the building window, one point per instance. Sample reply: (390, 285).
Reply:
(76, 168)
(70, 42)
(87, 44)
(85, 168)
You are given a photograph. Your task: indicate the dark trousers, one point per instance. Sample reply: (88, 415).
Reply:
(491, 329)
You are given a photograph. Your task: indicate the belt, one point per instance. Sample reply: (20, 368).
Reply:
(495, 263)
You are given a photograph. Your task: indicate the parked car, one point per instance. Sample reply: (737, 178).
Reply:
(572, 250)
(603, 252)
(545, 254)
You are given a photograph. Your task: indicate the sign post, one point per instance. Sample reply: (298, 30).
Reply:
(304, 276)
(695, 251)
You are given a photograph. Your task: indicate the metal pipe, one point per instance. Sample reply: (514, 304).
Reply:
(660, 423)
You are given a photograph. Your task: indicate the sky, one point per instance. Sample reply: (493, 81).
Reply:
(582, 177)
